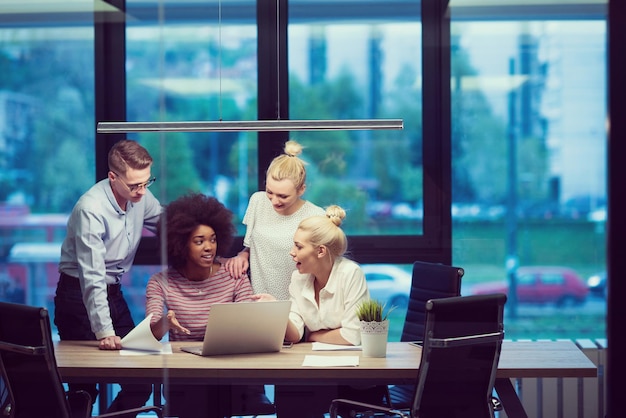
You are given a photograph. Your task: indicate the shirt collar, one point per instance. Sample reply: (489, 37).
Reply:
(108, 190)
(333, 280)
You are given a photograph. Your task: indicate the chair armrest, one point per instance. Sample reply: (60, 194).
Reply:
(464, 340)
(363, 407)
(134, 411)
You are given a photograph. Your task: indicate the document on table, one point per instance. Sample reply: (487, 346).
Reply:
(330, 361)
(166, 348)
(141, 341)
(317, 346)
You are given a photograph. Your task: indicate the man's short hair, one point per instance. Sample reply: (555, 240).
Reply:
(127, 154)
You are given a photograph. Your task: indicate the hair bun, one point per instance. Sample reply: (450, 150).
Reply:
(336, 214)
(293, 148)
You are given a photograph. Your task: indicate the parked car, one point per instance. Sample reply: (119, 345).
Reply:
(542, 284)
(388, 283)
(597, 284)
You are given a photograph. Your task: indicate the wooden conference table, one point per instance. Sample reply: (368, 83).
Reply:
(81, 361)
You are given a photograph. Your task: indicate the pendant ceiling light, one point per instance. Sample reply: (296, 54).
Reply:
(256, 125)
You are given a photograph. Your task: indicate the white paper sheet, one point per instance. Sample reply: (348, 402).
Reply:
(166, 349)
(330, 361)
(317, 346)
(141, 338)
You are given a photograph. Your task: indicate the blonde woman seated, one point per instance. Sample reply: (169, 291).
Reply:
(325, 290)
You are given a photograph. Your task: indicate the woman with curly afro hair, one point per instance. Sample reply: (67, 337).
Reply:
(180, 298)
(184, 215)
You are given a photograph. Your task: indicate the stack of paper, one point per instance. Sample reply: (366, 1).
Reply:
(140, 340)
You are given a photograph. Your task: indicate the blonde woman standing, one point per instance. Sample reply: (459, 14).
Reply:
(271, 219)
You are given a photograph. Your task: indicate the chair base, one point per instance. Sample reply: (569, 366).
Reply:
(250, 401)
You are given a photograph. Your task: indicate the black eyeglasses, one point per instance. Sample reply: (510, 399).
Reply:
(134, 187)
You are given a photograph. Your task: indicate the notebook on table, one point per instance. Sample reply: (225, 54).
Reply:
(244, 327)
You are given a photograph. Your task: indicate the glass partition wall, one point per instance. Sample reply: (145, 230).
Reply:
(500, 167)
(526, 186)
(202, 61)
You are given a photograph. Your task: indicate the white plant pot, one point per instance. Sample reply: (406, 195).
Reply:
(374, 338)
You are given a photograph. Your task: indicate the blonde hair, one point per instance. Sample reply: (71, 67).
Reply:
(289, 165)
(326, 230)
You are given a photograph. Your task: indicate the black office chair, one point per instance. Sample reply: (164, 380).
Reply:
(30, 383)
(458, 364)
(429, 281)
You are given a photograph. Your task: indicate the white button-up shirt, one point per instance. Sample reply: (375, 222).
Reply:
(346, 287)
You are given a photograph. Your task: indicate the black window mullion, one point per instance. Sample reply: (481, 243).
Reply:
(273, 78)
(110, 79)
(436, 120)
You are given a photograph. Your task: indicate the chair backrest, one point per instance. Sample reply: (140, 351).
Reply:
(460, 357)
(30, 368)
(429, 281)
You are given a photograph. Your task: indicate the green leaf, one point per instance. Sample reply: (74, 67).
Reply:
(371, 310)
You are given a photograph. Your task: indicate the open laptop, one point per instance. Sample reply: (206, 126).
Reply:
(244, 327)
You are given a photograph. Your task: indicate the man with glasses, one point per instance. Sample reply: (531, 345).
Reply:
(103, 233)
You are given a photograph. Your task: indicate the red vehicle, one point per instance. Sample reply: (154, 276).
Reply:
(542, 284)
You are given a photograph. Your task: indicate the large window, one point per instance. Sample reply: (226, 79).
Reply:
(46, 143)
(517, 179)
(364, 68)
(529, 166)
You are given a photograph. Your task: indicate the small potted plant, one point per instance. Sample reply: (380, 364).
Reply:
(372, 310)
(374, 327)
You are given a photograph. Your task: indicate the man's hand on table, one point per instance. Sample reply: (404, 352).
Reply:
(111, 343)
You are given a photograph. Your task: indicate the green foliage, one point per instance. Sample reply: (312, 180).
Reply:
(556, 325)
(398, 154)
(328, 151)
(173, 166)
(576, 244)
(477, 175)
(552, 324)
(325, 191)
(64, 177)
(411, 178)
(58, 147)
(372, 310)
(533, 157)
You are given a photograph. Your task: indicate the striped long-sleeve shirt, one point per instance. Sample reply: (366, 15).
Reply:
(191, 300)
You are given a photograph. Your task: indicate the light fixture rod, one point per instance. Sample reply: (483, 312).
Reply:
(255, 125)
